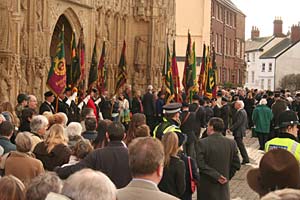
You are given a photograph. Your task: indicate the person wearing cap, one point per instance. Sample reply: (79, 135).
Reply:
(262, 116)
(278, 169)
(171, 122)
(47, 104)
(70, 106)
(22, 103)
(188, 123)
(287, 138)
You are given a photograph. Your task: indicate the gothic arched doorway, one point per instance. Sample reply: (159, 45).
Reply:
(62, 21)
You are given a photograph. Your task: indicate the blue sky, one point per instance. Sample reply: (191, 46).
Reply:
(261, 13)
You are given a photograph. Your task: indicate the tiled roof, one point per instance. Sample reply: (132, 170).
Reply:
(231, 5)
(278, 49)
(257, 43)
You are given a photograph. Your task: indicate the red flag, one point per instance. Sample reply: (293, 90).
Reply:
(202, 72)
(175, 75)
(122, 73)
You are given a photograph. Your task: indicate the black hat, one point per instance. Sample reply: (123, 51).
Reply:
(224, 99)
(185, 104)
(94, 90)
(287, 118)
(68, 89)
(196, 97)
(172, 108)
(22, 97)
(48, 94)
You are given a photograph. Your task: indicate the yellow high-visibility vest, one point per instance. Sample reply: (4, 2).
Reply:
(284, 143)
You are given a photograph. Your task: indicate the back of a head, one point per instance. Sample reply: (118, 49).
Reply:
(23, 142)
(74, 128)
(217, 124)
(42, 185)
(27, 113)
(170, 144)
(89, 185)
(142, 131)
(11, 188)
(86, 112)
(82, 148)
(6, 128)
(116, 131)
(145, 156)
(90, 124)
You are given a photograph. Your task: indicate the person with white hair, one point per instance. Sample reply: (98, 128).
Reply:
(262, 116)
(239, 127)
(88, 184)
(38, 127)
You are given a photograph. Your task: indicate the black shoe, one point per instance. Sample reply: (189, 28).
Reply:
(245, 162)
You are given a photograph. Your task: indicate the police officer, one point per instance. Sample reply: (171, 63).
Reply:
(287, 138)
(171, 122)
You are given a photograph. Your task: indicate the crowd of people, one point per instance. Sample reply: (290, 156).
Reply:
(134, 146)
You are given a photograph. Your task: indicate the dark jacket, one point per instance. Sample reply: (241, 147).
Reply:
(187, 195)
(148, 104)
(58, 156)
(7, 145)
(112, 160)
(209, 113)
(225, 111)
(137, 105)
(45, 106)
(239, 123)
(173, 180)
(72, 111)
(277, 108)
(105, 107)
(188, 126)
(216, 156)
(90, 135)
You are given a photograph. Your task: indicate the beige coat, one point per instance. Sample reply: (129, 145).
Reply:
(23, 166)
(140, 189)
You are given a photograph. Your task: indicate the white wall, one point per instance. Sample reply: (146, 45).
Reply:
(287, 63)
(266, 75)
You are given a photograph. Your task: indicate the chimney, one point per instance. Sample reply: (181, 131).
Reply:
(254, 32)
(278, 27)
(295, 33)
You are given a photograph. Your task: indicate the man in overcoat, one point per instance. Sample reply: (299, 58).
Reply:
(218, 160)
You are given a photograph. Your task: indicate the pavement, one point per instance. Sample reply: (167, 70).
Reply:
(239, 189)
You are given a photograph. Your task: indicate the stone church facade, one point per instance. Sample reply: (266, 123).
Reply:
(29, 34)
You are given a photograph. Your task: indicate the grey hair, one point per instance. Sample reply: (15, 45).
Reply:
(42, 185)
(241, 103)
(38, 122)
(73, 129)
(65, 118)
(23, 142)
(89, 184)
(263, 102)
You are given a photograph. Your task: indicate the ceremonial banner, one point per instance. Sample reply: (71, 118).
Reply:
(56, 81)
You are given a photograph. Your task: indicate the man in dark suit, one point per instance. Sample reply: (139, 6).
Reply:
(188, 123)
(112, 160)
(146, 160)
(47, 106)
(225, 111)
(105, 105)
(149, 108)
(239, 127)
(218, 160)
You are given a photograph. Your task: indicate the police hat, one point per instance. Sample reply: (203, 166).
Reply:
(287, 118)
(22, 97)
(48, 94)
(172, 108)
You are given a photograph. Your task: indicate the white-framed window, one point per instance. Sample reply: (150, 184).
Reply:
(252, 73)
(269, 84)
(262, 84)
(263, 67)
(253, 57)
(270, 67)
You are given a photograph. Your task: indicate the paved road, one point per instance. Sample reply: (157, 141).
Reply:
(239, 189)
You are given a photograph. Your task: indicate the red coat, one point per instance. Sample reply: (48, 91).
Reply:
(91, 104)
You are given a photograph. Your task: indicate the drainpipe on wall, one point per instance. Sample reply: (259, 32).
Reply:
(274, 74)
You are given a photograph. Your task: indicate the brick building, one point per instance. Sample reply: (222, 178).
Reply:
(228, 37)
